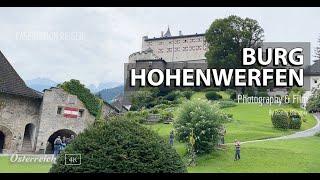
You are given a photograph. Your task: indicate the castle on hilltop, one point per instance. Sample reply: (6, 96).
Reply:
(180, 48)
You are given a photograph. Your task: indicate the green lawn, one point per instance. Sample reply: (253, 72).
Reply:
(294, 155)
(6, 166)
(252, 121)
(202, 95)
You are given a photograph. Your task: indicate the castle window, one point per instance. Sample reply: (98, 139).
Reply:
(177, 42)
(160, 43)
(177, 49)
(200, 39)
(59, 111)
(160, 51)
(170, 42)
(169, 49)
(185, 41)
(81, 112)
(185, 48)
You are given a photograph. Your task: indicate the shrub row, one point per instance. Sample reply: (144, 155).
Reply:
(286, 119)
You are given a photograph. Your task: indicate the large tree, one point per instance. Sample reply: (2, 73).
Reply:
(227, 37)
(317, 50)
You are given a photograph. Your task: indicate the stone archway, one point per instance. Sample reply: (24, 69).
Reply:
(62, 133)
(5, 138)
(28, 138)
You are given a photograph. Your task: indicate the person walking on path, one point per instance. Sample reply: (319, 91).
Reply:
(57, 145)
(171, 137)
(237, 148)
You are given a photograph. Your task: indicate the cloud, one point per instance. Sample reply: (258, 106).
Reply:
(110, 35)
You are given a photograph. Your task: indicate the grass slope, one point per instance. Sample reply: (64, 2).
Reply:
(294, 155)
(252, 121)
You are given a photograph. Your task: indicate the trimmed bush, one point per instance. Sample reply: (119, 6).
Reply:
(213, 96)
(225, 104)
(294, 120)
(280, 120)
(188, 94)
(121, 146)
(204, 118)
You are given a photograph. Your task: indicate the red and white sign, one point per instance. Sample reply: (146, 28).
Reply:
(70, 112)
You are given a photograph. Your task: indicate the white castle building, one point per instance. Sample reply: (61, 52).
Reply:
(172, 48)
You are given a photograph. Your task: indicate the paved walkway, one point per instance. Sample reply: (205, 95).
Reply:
(309, 132)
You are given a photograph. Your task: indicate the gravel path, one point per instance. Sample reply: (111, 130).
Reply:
(309, 132)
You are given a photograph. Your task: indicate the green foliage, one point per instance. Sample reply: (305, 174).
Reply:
(295, 96)
(295, 99)
(231, 91)
(294, 120)
(188, 94)
(225, 104)
(137, 116)
(140, 99)
(249, 91)
(162, 106)
(286, 119)
(165, 115)
(262, 94)
(174, 95)
(134, 107)
(90, 101)
(233, 96)
(297, 90)
(213, 95)
(204, 118)
(279, 119)
(313, 104)
(121, 146)
(214, 89)
(227, 37)
(154, 111)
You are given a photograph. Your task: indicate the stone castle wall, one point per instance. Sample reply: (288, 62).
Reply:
(16, 112)
(52, 122)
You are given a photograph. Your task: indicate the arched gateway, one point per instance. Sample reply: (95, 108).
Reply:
(62, 133)
(5, 138)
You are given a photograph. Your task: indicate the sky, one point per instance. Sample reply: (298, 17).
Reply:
(100, 40)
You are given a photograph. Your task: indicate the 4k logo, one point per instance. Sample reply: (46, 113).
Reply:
(72, 159)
